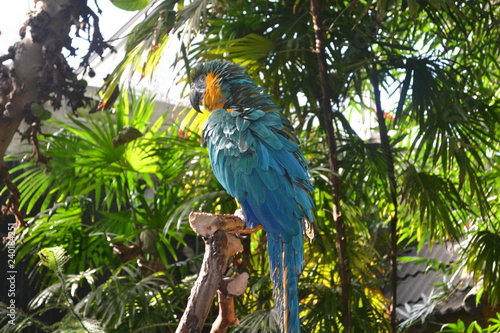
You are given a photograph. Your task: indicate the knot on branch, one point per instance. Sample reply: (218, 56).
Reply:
(37, 25)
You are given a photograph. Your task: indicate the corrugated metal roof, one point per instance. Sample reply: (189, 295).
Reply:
(418, 282)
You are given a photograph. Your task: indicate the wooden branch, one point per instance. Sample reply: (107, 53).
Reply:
(205, 224)
(5, 57)
(219, 247)
(229, 288)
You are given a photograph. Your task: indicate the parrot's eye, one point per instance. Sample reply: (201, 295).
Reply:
(200, 82)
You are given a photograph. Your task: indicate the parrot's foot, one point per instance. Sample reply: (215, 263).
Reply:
(239, 213)
(245, 231)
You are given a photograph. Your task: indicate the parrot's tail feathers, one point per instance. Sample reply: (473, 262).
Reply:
(286, 261)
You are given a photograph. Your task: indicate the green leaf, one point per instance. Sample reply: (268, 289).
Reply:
(251, 47)
(54, 257)
(131, 5)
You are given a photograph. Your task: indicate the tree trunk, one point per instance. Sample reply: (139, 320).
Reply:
(39, 72)
(391, 175)
(38, 65)
(326, 108)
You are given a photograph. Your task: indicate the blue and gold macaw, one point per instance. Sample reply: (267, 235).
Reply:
(256, 157)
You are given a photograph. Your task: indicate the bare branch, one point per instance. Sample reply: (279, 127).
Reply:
(219, 247)
(391, 175)
(31, 134)
(97, 43)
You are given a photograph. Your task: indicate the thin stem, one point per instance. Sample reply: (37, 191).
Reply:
(386, 149)
(68, 300)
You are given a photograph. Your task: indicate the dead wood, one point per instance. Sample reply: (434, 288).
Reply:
(219, 247)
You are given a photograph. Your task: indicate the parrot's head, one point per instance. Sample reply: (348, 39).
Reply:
(220, 84)
(207, 82)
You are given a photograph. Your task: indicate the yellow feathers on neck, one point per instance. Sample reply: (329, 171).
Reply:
(213, 98)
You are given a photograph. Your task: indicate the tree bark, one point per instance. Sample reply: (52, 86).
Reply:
(326, 107)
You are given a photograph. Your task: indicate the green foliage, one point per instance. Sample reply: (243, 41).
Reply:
(55, 258)
(265, 318)
(130, 300)
(483, 258)
(460, 327)
(120, 212)
(436, 202)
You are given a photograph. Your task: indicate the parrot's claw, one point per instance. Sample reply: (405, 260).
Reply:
(245, 231)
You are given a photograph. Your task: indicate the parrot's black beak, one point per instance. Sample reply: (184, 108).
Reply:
(195, 98)
(197, 92)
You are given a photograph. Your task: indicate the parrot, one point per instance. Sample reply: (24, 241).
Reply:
(255, 156)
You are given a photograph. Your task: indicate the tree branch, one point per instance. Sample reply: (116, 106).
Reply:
(404, 92)
(228, 289)
(39, 72)
(219, 247)
(7, 56)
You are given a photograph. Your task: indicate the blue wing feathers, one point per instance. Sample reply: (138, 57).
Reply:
(239, 123)
(262, 168)
(269, 178)
(263, 157)
(267, 160)
(246, 140)
(256, 188)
